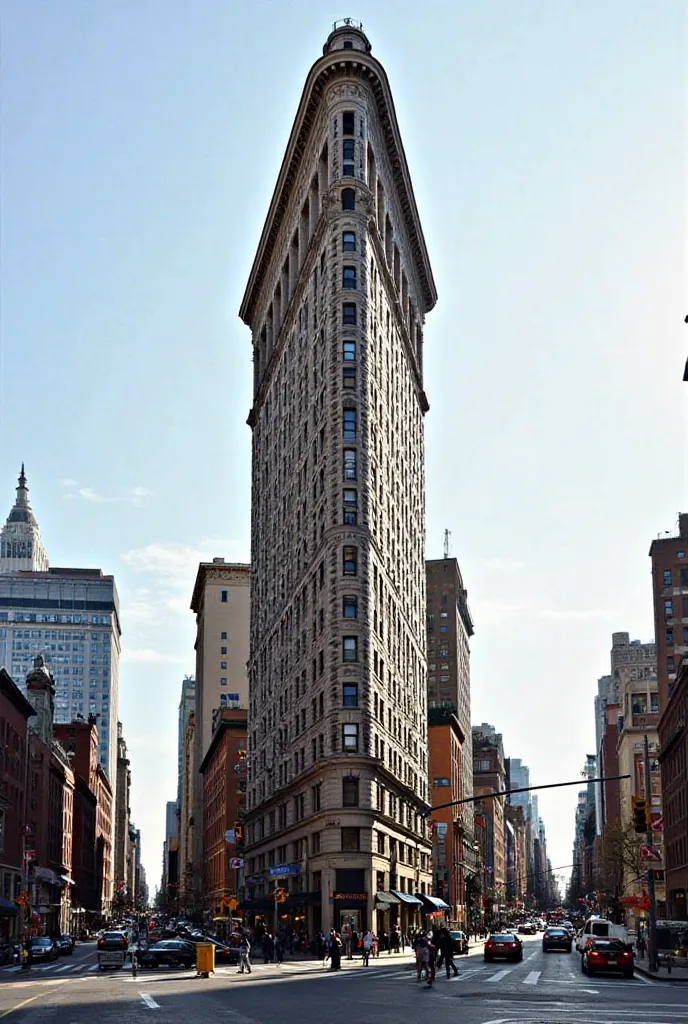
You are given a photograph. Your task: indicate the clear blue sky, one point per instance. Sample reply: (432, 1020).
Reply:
(139, 147)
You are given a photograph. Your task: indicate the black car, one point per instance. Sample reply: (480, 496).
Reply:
(169, 952)
(41, 949)
(65, 945)
(505, 946)
(224, 952)
(459, 943)
(557, 938)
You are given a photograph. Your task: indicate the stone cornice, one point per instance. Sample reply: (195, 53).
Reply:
(325, 70)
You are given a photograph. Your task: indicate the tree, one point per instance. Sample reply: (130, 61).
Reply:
(619, 863)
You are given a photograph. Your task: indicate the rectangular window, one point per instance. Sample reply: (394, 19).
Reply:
(350, 606)
(349, 791)
(350, 648)
(348, 277)
(350, 737)
(223, 636)
(349, 314)
(315, 842)
(683, 575)
(350, 507)
(668, 609)
(348, 241)
(670, 663)
(225, 596)
(685, 634)
(348, 122)
(349, 353)
(223, 681)
(350, 695)
(684, 607)
(349, 463)
(670, 636)
(348, 157)
(667, 578)
(350, 839)
(349, 377)
(350, 561)
(223, 650)
(349, 418)
(223, 664)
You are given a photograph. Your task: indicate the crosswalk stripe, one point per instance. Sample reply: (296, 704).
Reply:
(498, 976)
(532, 978)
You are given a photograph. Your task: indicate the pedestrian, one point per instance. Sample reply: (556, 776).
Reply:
(367, 947)
(376, 946)
(335, 951)
(279, 950)
(446, 947)
(244, 955)
(268, 948)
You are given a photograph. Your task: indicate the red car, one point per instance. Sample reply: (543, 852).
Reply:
(607, 955)
(505, 946)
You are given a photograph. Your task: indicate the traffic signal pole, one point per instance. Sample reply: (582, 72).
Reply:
(652, 937)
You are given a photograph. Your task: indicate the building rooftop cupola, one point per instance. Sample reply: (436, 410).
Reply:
(347, 34)
(21, 547)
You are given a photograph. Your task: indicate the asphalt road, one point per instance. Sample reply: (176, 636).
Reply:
(543, 989)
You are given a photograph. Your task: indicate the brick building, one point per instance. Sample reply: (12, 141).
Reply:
(223, 772)
(673, 758)
(15, 711)
(489, 777)
(446, 747)
(669, 556)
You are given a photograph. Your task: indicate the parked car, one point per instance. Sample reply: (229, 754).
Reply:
(608, 955)
(459, 943)
(557, 938)
(42, 949)
(506, 946)
(224, 953)
(169, 952)
(65, 945)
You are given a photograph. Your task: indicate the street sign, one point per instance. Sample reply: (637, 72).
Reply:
(236, 862)
(284, 870)
(651, 854)
(657, 822)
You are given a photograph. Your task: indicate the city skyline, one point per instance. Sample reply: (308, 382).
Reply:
(533, 315)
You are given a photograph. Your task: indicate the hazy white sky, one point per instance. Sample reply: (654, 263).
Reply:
(139, 147)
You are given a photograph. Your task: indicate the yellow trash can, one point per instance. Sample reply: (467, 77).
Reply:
(205, 959)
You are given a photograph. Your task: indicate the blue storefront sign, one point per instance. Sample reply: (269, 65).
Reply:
(284, 870)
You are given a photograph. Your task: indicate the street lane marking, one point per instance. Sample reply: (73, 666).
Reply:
(67, 967)
(93, 967)
(19, 1006)
(498, 976)
(532, 978)
(149, 1001)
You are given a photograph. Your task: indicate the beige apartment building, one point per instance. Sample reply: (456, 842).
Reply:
(221, 604)
(336, 302)
(634, 675)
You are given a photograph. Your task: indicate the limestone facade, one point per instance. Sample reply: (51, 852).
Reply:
(336, 302)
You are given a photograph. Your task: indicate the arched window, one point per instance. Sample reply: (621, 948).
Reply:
(348, 199)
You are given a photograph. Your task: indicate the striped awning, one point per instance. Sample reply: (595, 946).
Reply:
(406, 897)
(387, 899)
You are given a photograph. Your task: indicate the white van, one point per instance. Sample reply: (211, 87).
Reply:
(600, 928)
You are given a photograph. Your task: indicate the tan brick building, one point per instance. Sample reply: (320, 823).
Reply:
(336, 302)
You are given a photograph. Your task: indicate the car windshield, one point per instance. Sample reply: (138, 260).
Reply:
(456, 935)
(113, 936)
(556, 931)
(503, 938)
(607, 945)
(41, 942)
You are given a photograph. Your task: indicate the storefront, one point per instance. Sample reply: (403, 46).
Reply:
(434, 910)
(409, 907)
(8, 920)
(302, 913)
(350, 908)
(387, 912)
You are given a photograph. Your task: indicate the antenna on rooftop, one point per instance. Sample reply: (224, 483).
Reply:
(447, 539)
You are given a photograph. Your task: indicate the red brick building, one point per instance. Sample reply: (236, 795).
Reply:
(446, 743)
(224, 794)
(15, 712)
(673, 759)
(670, 593)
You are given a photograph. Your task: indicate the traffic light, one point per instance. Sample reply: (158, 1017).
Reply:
(431, 829)
(641, 814)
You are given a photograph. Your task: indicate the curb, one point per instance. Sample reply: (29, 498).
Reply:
(657, 977)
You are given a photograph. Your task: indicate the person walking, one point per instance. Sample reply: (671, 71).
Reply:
(446, 947)
(244, 955)
(335, 951)
(367, 947)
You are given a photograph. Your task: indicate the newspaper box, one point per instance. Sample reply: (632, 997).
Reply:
(205, 959)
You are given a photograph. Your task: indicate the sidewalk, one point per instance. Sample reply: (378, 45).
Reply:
(642, 964)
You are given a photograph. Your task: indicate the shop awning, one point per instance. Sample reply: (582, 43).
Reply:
(47, 875)
(386, 899)
(303, 899)
(67, 880)
(433, 902)
(7, 906)
(406, 897)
